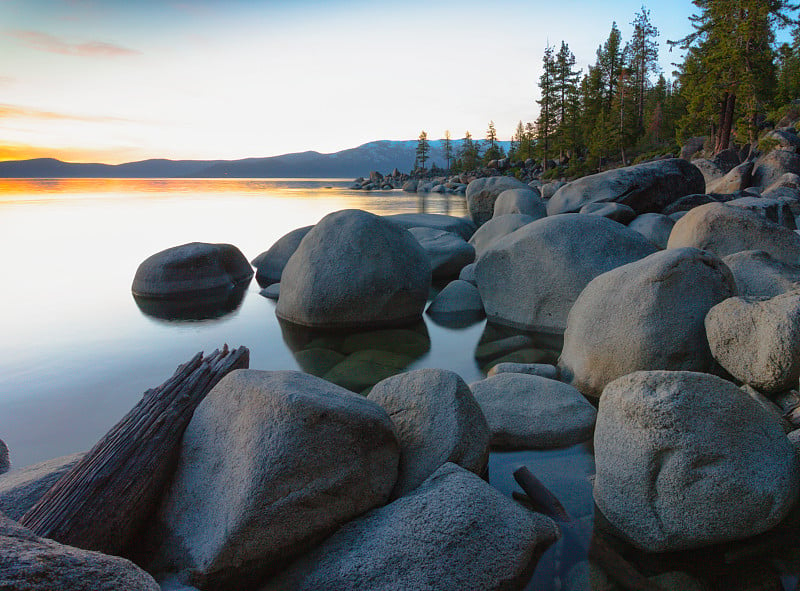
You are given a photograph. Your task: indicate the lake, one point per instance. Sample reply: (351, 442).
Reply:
(78, 351)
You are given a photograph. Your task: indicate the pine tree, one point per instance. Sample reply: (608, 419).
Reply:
(470, 153)
(423, 148)
(609, 64)
(546, 123)
(643, 60)
(492, 152)
(448, 149)
(565, 84)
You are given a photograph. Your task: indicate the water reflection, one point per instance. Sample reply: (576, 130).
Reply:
(212, 306)
(502, 344)
(356, 360)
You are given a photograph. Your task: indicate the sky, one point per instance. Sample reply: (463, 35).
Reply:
(122, 80)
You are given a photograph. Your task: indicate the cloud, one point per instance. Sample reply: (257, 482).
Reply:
(20, 112)
(53, 44)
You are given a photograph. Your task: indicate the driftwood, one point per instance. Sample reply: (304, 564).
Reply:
(102, 503)
(539, 498)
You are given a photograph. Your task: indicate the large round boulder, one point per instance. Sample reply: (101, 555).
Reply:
(532, 412)
(645, 315)
(759, 274)
(190, 270)
(737, 179)
(647, 187)
(269, 264)
(524, 201)
(436, 221)
(497, 227)
(773, 166)
(530, 278)
(355, 269)
(453, 533)
(725, 230)
(758, 341)
(437, 420)
(656, 227)
(270, 464)
(483, 192)
(448, 252)
(687, 460)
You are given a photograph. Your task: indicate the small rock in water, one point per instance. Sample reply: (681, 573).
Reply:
(543, 370)
(458, 297)
(271, 292)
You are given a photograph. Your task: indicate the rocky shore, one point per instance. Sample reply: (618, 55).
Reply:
(668, 293)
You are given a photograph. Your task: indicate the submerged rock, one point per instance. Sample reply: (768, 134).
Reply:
(687, 460)
(271, 463)
(453, 533)
(191, 269)
(437, 420)
(355, 269)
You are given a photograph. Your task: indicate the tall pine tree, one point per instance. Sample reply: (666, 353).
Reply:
(547, 121)
(643, 60)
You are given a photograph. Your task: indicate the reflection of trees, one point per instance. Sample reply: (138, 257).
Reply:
(355, 360)
(193, 309)
(503, 344)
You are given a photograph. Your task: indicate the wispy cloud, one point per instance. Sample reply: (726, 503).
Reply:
(20, 112)
(53, 44)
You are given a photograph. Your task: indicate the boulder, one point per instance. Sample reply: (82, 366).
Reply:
(758, 274)
(687, 460)
(436, 221)
(769, 209)
(710, 170)
(496, 228)
(458, 297)
(271, 292)
(483, 192)
(737, 179)
(772, 166)
(543, 370)
(656, 227)
(646, 315)
(648, 187)
(758, 341)
(5, 464)
(784, 139)
(549, 189)
(692, 146)
(355, 269)
(269, 264)
(532, 412)
(271, 463)
(468, 274)
(191, 269)
(530, 278)
(524, 201)
(410, 186)
(437, 420)
(31, 563)
(21, 489)
(613, 211)
(448, 253)
(726, 230)
(689, 202)
(454, 532)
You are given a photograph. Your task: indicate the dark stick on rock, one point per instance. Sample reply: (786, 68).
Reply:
(541, 498)
(105, 499)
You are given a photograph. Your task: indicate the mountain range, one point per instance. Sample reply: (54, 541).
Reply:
(382, 155)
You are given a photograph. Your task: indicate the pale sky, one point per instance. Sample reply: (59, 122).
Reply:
(121, 80)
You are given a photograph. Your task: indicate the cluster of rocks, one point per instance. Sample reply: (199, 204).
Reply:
(376, 181)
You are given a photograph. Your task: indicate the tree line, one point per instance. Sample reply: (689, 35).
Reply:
(733, 80)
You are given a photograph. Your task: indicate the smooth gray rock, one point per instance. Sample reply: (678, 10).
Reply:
(483, 192)
(468, 274)
(437, 420)
(543, 370)
(647, 187)
(31, 563)
(355, 269)
(271, 463)
(448, 252)
(692, 146)
(410, 186)
(710, 170)
(458, 297)
(758, 341)
(773, 210)
(686, 460)
(271, 292)
(645, 315)
(786, 139)
(269, 264)
(688, 203)
(613, 211)
(549, 189)
(191, 269)
(454, 533)
(737, 179)
(21, 489)
(773, 166)
(656, 227)
(532, 412)
(758, 274)
(5, 463)
(530, 278)
(436, 221)
(496, 228)
(524, 201)
(725, 230)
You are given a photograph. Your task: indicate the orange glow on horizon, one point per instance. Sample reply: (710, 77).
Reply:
(70, 154)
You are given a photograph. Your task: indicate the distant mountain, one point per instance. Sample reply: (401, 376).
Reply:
(382, 156)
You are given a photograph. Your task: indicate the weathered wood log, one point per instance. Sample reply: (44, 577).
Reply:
(542, 499)
(102, 503)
